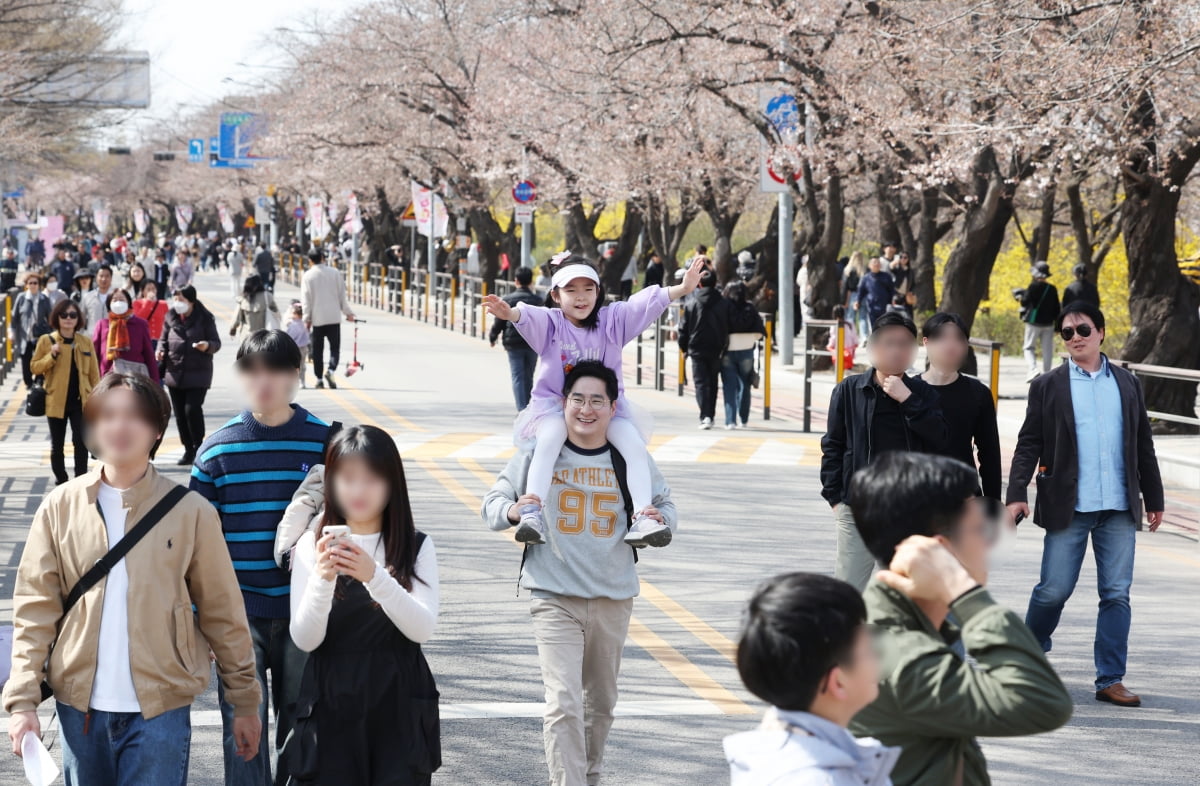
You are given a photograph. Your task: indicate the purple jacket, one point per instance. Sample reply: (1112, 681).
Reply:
(141, 347)
(560, 345)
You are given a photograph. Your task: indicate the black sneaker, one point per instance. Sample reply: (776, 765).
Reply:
(188, 458)
(329, 380)
(320, 385)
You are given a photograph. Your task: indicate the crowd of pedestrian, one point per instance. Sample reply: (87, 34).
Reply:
(294, 564)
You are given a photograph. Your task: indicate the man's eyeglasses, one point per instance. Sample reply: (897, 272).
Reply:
(595, 402)
(1069, 333)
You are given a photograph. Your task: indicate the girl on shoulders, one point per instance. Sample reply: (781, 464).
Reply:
(577, 325)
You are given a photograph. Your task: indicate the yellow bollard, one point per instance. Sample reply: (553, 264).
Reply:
(837, 355)
(482, 307)
(682, 371)
(8, 324)
(403, 290)
(995, 380)
(428, 292)
(766, 375)
(453, 299)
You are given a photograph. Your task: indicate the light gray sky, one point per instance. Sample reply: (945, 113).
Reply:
(195, 45)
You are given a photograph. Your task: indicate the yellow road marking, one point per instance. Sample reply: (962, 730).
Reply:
(685, 671)
(730, 451)
(689, 621)
(443, 446)
(15, 404)
(472, 466)
(451, 484)
(367, 398)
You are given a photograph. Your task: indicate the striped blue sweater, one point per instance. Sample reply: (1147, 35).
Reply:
(249, 472)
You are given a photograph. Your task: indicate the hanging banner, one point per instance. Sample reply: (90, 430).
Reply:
(353, 222)
(318, 220)
(100, 215)
(430, 210)
(141, 221)
(225, 217)
(183, 217)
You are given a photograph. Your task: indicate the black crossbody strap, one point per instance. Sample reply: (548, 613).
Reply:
(118, 552)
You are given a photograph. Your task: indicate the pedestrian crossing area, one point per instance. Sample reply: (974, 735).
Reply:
(713, 447)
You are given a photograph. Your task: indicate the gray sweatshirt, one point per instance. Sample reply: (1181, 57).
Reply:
(585, 555)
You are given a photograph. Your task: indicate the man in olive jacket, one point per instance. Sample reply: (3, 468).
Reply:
(919, 515)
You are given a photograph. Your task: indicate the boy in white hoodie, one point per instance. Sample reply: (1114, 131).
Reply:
(806, 650)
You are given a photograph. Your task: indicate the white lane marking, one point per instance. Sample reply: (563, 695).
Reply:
(687, 447)
(486, 448)
(776, 452)
(529, 709)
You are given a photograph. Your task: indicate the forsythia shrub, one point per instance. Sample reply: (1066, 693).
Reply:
(998, 316)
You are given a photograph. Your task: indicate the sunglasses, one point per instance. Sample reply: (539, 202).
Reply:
(69, 315)
(1069, 333)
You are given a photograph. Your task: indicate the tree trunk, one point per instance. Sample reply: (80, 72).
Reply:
(1162, 302)
(493, 241)
(924, 270)
(666, 234)
(385, 229)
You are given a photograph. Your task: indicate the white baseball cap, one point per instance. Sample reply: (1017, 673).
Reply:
(571, 272)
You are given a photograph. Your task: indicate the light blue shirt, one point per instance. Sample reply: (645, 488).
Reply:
(1099, 439)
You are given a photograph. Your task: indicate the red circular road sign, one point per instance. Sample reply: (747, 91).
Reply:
(524, 192)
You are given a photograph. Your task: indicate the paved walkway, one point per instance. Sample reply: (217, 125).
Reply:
(749, 509)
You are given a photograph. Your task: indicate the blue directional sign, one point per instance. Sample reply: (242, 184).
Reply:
(195, 151)
(784, 113)
(238, 135)
(16, 193)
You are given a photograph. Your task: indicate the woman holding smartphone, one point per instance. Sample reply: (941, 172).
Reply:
(364, 598)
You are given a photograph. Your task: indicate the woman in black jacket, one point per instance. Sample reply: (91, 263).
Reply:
(189, 340)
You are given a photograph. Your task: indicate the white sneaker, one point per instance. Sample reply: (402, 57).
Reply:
(730, 426)
(705, 424)
(531, 530)
(648, 532)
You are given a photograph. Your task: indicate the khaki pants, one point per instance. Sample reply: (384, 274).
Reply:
(855, 565)
(579, 645)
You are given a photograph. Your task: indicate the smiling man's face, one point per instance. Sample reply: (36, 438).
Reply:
(588, 412)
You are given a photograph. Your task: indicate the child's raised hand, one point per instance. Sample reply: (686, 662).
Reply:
(498, 308)
(691, 276)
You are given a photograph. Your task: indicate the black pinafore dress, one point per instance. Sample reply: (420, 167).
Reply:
(367, 713)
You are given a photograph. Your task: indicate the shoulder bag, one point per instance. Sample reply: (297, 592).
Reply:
(115, 555)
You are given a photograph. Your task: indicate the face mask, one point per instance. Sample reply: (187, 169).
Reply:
(119, 307)
(52, 286)
(180, 306)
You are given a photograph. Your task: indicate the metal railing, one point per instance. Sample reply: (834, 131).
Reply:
(811, 328)
(1164, 372)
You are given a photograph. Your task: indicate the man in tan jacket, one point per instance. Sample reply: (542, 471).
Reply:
(127, 661)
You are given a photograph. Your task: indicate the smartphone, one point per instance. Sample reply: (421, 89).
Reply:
(337, 531)
(1016, 520)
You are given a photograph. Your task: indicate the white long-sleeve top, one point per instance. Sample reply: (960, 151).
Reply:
(414, 613)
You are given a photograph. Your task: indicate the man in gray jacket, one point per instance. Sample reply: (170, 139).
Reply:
(583, 579)
(323, 298)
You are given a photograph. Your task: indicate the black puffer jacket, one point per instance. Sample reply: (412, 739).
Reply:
(184, 366)
(704, 331)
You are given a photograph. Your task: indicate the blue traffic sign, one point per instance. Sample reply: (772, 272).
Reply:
(16, 193)
(195, 151)
(784, 113)
(299, 213)
(214, 145)
(524, 192)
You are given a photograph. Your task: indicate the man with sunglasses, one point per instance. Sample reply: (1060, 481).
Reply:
(1087, 435)
(956, 665)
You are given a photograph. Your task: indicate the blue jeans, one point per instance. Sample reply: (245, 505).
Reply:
(124, 748)
(274, 651)
(521, 363)
(736, 369)
(1114, 537)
